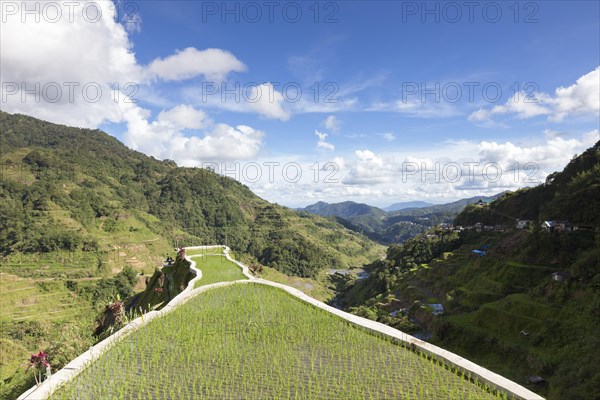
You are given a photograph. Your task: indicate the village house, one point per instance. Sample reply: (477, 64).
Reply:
(445, 226)
(524, 223)
(560, 276)
(563, 226)
(557, 226)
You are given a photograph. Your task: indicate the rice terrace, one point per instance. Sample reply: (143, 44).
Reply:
(241, 337)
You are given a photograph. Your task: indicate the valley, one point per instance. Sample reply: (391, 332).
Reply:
(379, 200)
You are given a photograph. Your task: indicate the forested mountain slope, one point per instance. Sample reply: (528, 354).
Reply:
(84, 220)
(95, 182)
(521, 302)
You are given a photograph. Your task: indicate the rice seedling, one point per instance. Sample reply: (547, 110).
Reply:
(216, 268)
(254, 341)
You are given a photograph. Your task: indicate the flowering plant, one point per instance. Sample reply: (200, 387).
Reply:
(38, 362)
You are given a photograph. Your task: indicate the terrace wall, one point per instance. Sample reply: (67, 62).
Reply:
(477, 372)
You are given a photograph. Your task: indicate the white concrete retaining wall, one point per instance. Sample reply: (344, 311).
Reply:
(477, 372)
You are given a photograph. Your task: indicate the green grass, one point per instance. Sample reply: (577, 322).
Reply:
(217, 269)
(315, 288)
(24, 299)
(212, 251)
(253, 341)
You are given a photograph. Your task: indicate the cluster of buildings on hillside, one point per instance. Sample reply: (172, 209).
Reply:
(548, 226)
(478, 227)
(553, 226)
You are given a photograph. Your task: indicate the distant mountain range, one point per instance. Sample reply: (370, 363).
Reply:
(407, 204)
(400, 222)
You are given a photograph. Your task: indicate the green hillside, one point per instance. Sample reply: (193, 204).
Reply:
(74, 189)
(502, 307)
(392, 226)
(84, 219)
(368, 217)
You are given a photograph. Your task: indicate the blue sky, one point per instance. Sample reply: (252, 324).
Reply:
(389, 89)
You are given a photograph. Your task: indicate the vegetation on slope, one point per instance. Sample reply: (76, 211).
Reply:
(504, 310)
(253, 341)
(392, 226)
(78, 210)
(67, 189)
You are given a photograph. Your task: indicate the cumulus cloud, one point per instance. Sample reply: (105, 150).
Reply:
(549, 156)
(331, 123)
(185, 117)
(88, 81)
(213, 64)
(484, 167)
(263, 99)
(321, 143)
(267, 101)
(72, 84)
(580, 98)
(163, 137)
(368, 168)
(95, 78)
(445, 172)
(224, 142)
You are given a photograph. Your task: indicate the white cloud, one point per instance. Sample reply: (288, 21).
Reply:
(549, 156)
(41, 57)
(339, 162)
(68, 64)
(264, 99)
(331, 123)
(383, 178)
(387, 136)
(416, 108)
(307, 104)
(163, 137)
(213, 64)
(369, 169)
(321, 143)
(520, 104)
(224, 142)
(580, 98)
(185, 117)
(267, 101)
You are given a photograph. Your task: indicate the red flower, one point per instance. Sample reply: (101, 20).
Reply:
(38, 360)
